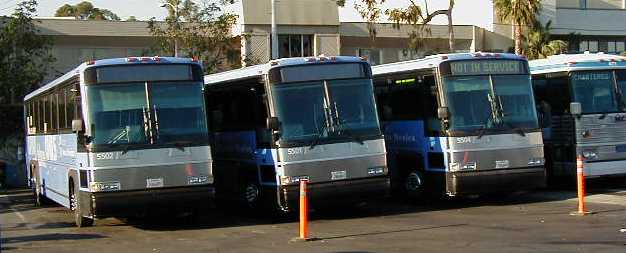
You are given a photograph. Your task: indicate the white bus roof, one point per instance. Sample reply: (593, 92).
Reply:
(257, 71)
(573, 62)
(433, 61)
(109, 62)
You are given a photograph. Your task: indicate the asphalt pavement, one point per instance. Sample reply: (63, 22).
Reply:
(537, 221)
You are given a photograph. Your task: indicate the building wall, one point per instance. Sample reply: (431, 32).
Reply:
(290, 12)
(71, 51)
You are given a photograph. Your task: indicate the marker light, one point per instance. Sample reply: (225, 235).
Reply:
(131, 59)
(92, 62)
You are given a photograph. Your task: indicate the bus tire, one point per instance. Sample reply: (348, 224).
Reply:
(38, 198)
(250, 194)
(38, 201)
(414, 184)
(79, 219)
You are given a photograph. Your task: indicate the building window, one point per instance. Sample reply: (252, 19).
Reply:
(593, 46)
(611, 47)
(372, 55)
(619, 47)
(584, 46)
(295, 45)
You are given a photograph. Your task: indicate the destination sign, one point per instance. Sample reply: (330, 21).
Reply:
(487, 67)
(592, 76)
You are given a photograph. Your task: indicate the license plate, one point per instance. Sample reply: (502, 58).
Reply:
(503, 164)
(338, 175)
(154, 182)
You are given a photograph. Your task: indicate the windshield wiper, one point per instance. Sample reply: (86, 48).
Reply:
(343, 129)
(323, 128)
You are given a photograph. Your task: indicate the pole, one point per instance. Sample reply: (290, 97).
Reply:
(274, 42)
(580, 182)
(580, 178)
(177, 31)
(304, 211)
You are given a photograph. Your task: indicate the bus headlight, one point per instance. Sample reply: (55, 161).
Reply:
(376, 171)
(105, 186)
(292, 180)
(590, 155)
(533, 161)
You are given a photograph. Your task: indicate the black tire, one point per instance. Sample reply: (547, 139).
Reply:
(414, 184)
(75, 206)
(250, 194)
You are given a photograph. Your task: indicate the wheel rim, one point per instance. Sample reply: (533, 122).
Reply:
(413, 182)
(252, 193)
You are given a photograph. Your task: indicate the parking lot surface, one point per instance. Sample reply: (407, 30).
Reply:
(523, 222)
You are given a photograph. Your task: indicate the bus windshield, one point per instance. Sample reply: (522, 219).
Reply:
(324, 110)
(596, 91)
(170, 113)
(490, 102)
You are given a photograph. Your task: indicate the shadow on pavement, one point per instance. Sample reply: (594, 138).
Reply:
(387, 232)
(50, 237)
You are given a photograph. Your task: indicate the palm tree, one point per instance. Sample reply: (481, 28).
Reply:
(538, 43)
(520, 12)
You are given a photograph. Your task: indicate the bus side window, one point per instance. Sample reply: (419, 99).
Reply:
(559, 103)
(430, 106)
(381, 89)
(405, 98)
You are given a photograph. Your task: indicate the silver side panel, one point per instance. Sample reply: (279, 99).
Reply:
(504, 151)
(332, 162)
(152, 168)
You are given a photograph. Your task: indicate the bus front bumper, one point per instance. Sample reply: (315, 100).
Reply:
(126, 203)
(345, 191)
(494, 181)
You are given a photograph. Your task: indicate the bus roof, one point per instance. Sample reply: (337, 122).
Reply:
(108, 62)
(572, 62)
(257, 71)
(433, 61)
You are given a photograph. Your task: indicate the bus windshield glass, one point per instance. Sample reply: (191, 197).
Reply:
(595, 90)
(490, 102)
(146, 113)
(325, 110)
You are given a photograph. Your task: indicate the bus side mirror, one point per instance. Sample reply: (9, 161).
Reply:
(272, 123)
(575, 108)
(77, 125)
(443, 113)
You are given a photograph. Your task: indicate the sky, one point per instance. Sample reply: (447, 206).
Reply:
(466, 12)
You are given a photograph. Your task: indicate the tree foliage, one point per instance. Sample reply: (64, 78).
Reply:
(202, 30)
(25, 59)
(85, 11)
(538, 42)
(520, 13)
(24, 54)
(414, 15)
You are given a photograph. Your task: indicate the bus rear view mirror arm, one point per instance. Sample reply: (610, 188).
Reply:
(575, 109)
(272, 123)
(443, 113)
(77, 125)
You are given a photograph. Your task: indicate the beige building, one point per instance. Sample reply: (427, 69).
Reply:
(305, 28)
(587, 25)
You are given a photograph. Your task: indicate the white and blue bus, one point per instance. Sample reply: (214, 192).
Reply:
(460, 124)
(117, 136)
(582, 100)
(295, 119)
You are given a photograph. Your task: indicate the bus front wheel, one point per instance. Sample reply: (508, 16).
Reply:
(414, 184)
(79, 219)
